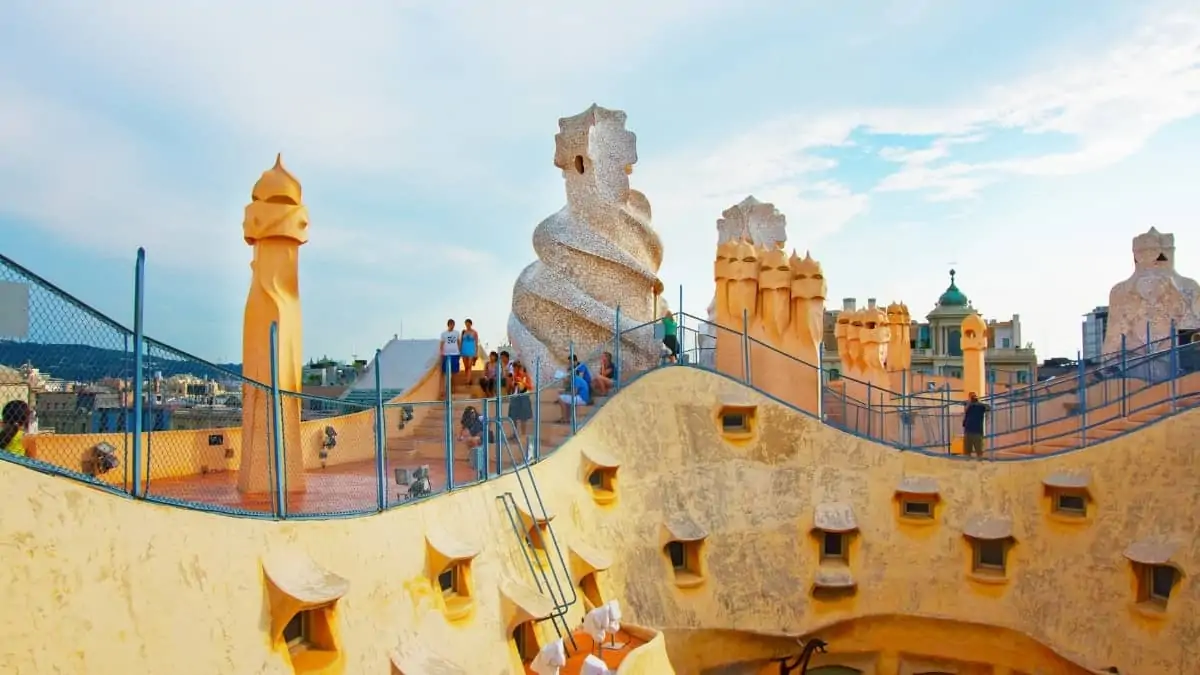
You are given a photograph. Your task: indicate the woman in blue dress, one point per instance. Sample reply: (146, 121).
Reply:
(469, 348)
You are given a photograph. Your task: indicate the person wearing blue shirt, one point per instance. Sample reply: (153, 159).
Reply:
(577, 393)
(973, 426)
(581, 369)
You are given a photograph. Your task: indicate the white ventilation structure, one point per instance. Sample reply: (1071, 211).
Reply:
(593, 665)
(552, 657)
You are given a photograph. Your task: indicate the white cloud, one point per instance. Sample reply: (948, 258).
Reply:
(360, 88)
(435, 95)
(87, 181)
(1108, 100)
(1111, 105)
(95, 184)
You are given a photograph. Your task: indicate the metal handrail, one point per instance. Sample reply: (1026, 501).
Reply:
(562, 604)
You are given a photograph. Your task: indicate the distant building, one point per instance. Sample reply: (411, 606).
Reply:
(120, 420)
(13, 385)
(205, 417)
(63, 412)
(1057, 367)
(323, 402)
(1095, 328)
(936, 343)
(330, 373)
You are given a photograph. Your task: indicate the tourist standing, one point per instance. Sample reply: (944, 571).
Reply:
(671, 336)
(450, 355)
(469, 346)
(973, 426)
(520, 409)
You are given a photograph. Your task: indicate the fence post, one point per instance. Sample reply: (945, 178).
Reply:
(845, 416)
(821, 381)
(1011, 397)
(990, 383)
(1082, 400)
(571, 379)
(277, 427)
(380, 437)
(1033, 407)
(617, 350)
(1124, 378)
(682, 317)
(870, 396)
(946, 417)
(139, 338)
(746, 346)
(537, 408)
(1173, 364)
(449, 424)
(501, 377)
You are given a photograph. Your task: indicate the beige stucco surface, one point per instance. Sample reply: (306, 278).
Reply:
(95, 583)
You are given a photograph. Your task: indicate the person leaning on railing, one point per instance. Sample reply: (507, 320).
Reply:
(16, 418)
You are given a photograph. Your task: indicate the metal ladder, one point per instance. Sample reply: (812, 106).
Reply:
(545, 577)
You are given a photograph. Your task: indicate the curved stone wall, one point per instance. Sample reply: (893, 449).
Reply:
(96, 583)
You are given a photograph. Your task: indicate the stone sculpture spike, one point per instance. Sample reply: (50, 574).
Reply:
(561, 295)
(1154, 298)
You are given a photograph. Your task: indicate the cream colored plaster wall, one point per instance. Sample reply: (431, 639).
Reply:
(98, 584)
(1070, 586)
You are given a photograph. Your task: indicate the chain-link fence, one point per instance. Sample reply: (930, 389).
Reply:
(50, 343)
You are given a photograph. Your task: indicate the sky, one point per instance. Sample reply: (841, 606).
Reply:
(1023, 143)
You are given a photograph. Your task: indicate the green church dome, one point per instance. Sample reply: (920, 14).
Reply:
(952, 297)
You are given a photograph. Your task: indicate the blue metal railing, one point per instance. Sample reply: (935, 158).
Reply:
(1100, 399)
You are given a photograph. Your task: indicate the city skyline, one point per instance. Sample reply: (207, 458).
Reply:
(1021, 143)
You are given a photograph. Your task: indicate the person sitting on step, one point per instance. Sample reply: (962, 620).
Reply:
(487, 381)
(602, 379)
(576, 392)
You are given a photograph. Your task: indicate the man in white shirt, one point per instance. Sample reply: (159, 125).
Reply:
(449, 351)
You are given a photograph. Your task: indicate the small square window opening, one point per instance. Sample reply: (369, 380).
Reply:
(1070, 504)
(1159, 581)
(990, 555)
(525, 638)
(734, 422)
(448, 581)
(678, 555)
(833, 546)
(296, 632)
(917, 508)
